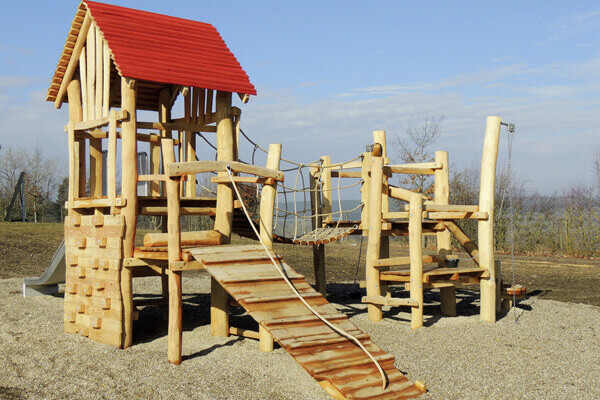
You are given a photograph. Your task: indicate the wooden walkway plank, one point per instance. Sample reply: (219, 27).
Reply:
(248, 275)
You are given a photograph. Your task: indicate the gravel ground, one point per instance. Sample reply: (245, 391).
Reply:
(553, 352)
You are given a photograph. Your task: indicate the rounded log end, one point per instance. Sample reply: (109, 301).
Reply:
(377, 150)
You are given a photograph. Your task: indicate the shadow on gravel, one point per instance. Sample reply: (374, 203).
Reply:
(211, 349)
(152, 322)
(349, 296)
(11, 393)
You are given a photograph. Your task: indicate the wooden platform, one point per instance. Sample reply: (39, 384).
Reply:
(325, 235)
(433, 274)
(340, 366)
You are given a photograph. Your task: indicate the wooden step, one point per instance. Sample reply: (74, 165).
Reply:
(307, 318)
(389, 301)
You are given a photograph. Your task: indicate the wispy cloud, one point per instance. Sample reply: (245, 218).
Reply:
(574, 25)
(12, 81)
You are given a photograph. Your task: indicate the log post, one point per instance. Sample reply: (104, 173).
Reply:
(128, 192)
(267, 197)
(267, 204)
(225, 150)
(384, 251)
(485, 228)
(219, 299)
(374, 242)
(174, 250)
(415, 239)
(190, 142)
(365, 189)
(443, 239)
(327, 189)
(76, 173)
(317, 222)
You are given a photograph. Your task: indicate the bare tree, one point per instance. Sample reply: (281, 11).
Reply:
(40, 178)
(415, 147)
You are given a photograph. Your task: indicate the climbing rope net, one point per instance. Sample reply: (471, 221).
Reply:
(297, 212)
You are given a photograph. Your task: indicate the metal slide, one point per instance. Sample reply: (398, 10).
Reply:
(47, 284)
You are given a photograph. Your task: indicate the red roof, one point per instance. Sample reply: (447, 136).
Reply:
(160, 48)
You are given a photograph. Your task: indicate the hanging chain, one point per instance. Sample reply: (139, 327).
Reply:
(511, 206)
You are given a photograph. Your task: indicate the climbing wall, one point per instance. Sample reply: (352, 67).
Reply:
(93, 302)
(338, 364)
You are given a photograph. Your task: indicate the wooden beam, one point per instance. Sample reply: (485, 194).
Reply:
(177, 126)
(73, 60)
(244, 179)
(194, 238)
(196, 167)
(99, 122)
(390, 302)
(416, 168)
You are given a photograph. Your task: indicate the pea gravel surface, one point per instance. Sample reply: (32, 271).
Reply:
(552, 352)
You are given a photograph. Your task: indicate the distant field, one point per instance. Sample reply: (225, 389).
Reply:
(26, 249)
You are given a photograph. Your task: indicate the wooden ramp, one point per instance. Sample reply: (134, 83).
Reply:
(338, 364)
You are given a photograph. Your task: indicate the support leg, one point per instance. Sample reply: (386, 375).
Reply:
(448, 300)
(219, 309)
(319, 266)
(175, 327)
(415, 238)
(127, 294)
(266, 342)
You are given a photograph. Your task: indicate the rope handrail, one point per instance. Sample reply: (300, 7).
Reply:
(384, 378)
(289, 189)
(319, 215)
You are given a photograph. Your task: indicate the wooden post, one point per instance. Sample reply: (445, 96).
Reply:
(415, 239)
(190, 141)
(164, 115)
(76, 175)
(374, 242)
(267, 198)
(327, 189)
(317, 222)
(498, 264)
(219, 299)
(365, 193)
(485, 228)
(267, 204)
(111, 159)
(225, 148)
(174, 249)
(219, 309)
(444, 240)
(128, 192)
(384, 251)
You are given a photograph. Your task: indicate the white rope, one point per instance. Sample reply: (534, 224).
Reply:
(384, 379)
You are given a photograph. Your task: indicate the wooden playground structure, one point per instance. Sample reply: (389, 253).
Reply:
(107, 73)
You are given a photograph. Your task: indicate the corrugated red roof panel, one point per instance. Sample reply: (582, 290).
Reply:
(160, 48)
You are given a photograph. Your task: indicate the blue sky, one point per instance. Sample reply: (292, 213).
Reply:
(329, 73)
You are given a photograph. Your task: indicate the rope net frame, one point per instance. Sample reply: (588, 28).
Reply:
(295, 215)
(299, 222)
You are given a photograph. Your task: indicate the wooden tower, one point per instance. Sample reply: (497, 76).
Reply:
(116, 62)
